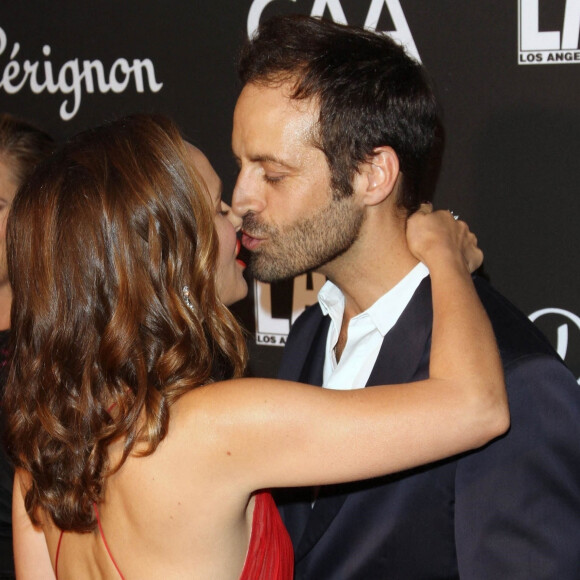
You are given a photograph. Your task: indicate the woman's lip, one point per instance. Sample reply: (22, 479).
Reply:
(238, 248)
(249, 242)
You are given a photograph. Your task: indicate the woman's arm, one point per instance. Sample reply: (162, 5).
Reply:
(274, 433)
(31, 558)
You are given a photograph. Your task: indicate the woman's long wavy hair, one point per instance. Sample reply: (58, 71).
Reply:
(101, 242)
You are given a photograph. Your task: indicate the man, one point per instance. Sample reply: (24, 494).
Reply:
(335, 131)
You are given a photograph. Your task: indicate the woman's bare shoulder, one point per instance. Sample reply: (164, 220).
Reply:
(231, 398)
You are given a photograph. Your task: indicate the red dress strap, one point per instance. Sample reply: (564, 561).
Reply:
(270, 555)
(96, 509)
(57, 554)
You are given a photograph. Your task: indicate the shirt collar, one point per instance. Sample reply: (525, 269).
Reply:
(385, 312)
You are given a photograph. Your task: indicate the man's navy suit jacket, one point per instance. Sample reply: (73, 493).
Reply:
(508, 511)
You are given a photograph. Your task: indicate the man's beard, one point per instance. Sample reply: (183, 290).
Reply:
(304, 245)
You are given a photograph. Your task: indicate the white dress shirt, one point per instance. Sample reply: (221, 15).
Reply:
(365, 330)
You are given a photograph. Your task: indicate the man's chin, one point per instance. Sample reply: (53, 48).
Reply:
(266, 270)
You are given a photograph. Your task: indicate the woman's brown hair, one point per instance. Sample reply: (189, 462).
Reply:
(101, 242)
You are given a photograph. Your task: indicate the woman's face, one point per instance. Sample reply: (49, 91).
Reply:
(231, 285)
(8, 187)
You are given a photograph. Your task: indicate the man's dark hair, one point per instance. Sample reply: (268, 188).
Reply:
(371, 94)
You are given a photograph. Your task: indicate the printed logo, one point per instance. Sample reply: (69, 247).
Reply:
(73, 77)
(537, 46)
(290, 301)
(565, 338)
(401, 33)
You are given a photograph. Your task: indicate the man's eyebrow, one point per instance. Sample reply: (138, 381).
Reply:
(270, 159)
(265, 158)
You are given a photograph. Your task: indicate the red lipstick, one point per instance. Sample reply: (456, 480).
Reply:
(238, 248)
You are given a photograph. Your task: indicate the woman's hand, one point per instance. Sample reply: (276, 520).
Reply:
(435, 235)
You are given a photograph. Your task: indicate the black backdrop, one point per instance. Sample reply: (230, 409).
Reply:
(507, 73)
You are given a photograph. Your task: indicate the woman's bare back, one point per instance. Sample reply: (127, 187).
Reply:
(168, 515)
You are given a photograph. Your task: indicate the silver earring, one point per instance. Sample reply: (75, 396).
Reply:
(186, 299)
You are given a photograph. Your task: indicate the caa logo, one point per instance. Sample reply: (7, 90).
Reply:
(401, 34)
(563, 334)
(548, 46)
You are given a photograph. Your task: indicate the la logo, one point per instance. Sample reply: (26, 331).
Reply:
(402, 33)
(532, 38)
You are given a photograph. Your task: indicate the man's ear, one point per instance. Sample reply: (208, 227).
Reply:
(378, 176)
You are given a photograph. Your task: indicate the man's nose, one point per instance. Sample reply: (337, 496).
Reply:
(247, 197)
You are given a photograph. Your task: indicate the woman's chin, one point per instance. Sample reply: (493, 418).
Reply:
(231, 298)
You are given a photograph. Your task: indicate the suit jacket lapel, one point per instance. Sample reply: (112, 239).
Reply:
(303, 358)
(303, 361)
(402, 353)
(404, 347)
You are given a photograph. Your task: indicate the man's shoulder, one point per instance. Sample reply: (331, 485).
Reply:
(516, 335)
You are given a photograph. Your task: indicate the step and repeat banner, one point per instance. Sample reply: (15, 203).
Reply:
(507, 73)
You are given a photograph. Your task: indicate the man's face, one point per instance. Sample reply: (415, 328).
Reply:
(291, 222)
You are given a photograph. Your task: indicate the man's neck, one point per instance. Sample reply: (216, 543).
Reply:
(375, 263)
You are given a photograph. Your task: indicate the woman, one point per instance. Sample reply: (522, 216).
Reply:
(133, 460)
(22, 146)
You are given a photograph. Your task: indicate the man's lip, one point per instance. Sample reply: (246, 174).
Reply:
(249, 242)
